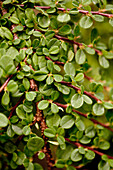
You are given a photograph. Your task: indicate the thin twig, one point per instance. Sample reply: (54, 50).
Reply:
(88, 147)
(80, 11)
(78, 89)
(86, 116)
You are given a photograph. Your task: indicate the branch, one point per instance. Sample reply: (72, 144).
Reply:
(80, 11)
(13, 109)
(88, 147)
(78, 89)
(86, 116)
(8, 79)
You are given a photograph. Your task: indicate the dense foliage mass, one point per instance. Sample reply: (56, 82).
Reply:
(56, 79)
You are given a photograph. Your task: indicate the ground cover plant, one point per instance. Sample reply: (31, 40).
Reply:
(56, 84)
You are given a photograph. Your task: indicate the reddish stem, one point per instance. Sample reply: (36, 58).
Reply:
(78, 89)
(86, 116)
(80, 11)
(13, 109)
(88, 147)
(8, 79)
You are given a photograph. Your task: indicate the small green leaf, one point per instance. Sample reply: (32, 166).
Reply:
(86, 22)
(76, 156)
(80, 56)
(85, 140)
(35, 144)
(104, 145)
(44, 21)
(80, 125)
(26, 130)
(90, 50)
(103, 62)
(70, 69)
(50, 132)
(54, 50)
(111, 21)
(98, 18)
(98, 109)
(65, 30)
(79, 77)
(26, 83)
(41, 155)
(53, 120)
(57, 77)
(3, 120)
(67, 122)
(30, 96)
(37, 34)
(20, 112)
(90, 155)
(87, 99)
(63, 17)
(9, 147)
(108, 105)
(5, 98)
(14, 20)
(70, 55)
(54, 108)
(43, 104)
(77, 101)
(49, 80)
(12, 86)
(90, 132)
(17, 129)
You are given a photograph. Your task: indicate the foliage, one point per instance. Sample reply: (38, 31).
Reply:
(56, 84)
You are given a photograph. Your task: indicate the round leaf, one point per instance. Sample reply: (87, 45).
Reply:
(67, 122)
(77, 101)
(76, 156)
(43, 104)
(35, 144)
(3, 120)
(98, 109)
(63, 17)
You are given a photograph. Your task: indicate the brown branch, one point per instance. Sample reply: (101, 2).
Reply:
(88, 147)
(78, 89)
(80, 11)
(13, 109)
(86, 116)
(8, 79)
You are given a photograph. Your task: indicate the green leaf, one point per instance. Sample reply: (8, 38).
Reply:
(5, 98)
(76, 156)
(40, 77)
(10, 132)
(37, 166)
(111, 21)
(26, 83)
(90, 155)
(98, 109)
(12, 86)
(60, 140)
(35, 144)
(41, 155)
(54, 50)
(3, 120)
(74, 11)
(108, 105)
(110, 162)
(30, 96)
(53, 120)
(86, 22)
(85, 140)
(87, 99)
(37, 34)
(70, 69)
(90, 131)
(103, 165)
(43, 104)
(80, 56)
(65, 30)
(90, 50)
(17, 129)
(49, 80)
(80, 125)
(9, 147)
(26, 130)
(12, 52)
(44, 21)
(21, 158)
(67, 122)
(57, 77)
(98, 18)
(70, 55)
(70, 168)
(14, 20)
(77, 101)
(20, 112)
(62, 88)
(104, 145)
(50, 132)
(79, 77)
(54, 108)
(63, 17)
(103, 62)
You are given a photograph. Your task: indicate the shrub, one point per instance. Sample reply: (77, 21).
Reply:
(56, 84)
